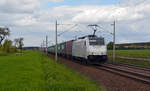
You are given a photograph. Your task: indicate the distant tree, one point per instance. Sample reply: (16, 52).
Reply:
(145, 46)
(19, 43)
(134, 47)
(14, 49)
(0, 48)
(110, 45)
(3, 33)
(16, 41)
(7, 46)
(121, 47)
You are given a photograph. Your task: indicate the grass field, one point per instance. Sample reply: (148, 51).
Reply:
(132, 53)
(33, 71)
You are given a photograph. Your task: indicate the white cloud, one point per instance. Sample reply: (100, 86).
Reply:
(27, 20)
(23, 17)
(57, 0)
(133, 2)
(18, 6)
(107, 14)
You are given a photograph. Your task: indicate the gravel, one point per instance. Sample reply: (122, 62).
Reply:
(109, 81)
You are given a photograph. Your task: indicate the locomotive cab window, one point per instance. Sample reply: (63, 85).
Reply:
(96, 42)
(85, 43)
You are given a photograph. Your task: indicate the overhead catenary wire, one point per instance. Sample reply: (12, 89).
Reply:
(68, 30)
(80, 29)
(104, 30)
(56, 30)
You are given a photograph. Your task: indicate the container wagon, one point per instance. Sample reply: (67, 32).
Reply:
(69, 45)
(88, 49)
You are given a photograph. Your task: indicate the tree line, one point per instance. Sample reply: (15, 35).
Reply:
(126, 47)
(7, 45)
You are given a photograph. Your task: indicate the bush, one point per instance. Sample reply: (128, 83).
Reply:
(13, 49)
(0, 48)
(7, 47)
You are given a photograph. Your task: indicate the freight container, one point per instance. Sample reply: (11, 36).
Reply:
(69, 48)
(51, 49)
(63, 46)
(59, 48)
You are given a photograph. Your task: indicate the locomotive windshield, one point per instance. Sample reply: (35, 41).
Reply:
(96, 41)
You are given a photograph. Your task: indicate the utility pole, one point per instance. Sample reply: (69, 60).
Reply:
(56, 56)
(43, 46)
(46, 44)
(114, 40)
(56, 43)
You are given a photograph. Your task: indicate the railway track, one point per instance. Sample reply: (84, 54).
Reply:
(130, 66)
(128, 71)
(125, 70)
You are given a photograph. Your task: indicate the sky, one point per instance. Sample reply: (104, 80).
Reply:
(34, 19)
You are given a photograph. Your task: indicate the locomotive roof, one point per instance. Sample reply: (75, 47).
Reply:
(89, 36)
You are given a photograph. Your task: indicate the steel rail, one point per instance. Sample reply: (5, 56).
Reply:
(127, 71)
(129, 74)
(130, 66)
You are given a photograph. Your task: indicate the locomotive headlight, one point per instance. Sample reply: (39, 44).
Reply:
(92, 53)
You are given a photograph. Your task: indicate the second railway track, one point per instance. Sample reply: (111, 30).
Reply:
(130, 66)
(130, 72)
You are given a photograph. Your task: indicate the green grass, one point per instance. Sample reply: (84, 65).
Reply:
(33, 71)
(134, 62)
(132, 53)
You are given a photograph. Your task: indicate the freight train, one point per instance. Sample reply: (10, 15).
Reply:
(88, 49)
